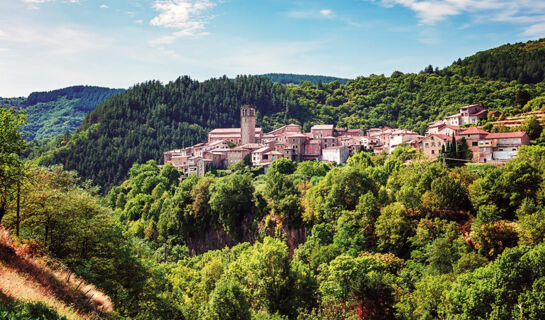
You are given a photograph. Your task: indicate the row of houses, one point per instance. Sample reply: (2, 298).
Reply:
(496, 148)
(227, 146)
(322, 143)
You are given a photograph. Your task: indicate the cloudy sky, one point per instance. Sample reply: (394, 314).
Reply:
(49, 44)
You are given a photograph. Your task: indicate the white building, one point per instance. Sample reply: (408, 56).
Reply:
(337, 154)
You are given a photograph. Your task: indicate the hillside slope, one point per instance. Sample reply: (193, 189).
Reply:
(523, 62)
(150, 118)
(54, 112)
(29, 285)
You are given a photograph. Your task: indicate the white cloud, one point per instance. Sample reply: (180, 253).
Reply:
(527, 13)
(184, 15)
(430, 12)
(536, 30)
(326, 12)
(103, 6)
(51, 41)
(310, 14)
(138, 21)
(44, 1)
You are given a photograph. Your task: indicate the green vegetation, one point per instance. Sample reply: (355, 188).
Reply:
(56, 112)
(150, 118)
(27, 311)
(289, 78)
(381, 237)
(387, 239)
(522, 62)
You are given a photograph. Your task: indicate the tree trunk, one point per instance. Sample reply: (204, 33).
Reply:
(2, 212)
(18, 207)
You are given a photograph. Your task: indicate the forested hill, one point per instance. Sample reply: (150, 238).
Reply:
(290, 78)
(150, 118)
(54, 112)
(523, 62)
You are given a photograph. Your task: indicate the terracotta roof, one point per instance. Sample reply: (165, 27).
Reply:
(443, 137)
(231, 130)
(454, 115)
(334, 148)
(296, 135)
(454, 127)
(506, 135)
(437, 123)
(252, 146)
(322, 127)
(479, 113)
(264, 149)
(473, 130)
(473, 105)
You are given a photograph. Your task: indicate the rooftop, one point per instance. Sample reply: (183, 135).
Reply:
(473, 130)
(334, 148)
(437, 123)
(323, 127)
(231, 131)
(261, 150)
(506, 135)
(454, 127)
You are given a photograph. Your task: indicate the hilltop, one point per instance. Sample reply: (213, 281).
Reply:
(51, 113)
(523, 62)
(290, 78)
(149, 118)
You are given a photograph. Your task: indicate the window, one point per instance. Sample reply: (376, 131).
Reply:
(426, 144)
(433, 144)
(433, 152)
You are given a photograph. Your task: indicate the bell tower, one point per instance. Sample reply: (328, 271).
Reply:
(247, 124)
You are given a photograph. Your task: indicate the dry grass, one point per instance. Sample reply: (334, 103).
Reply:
(24, 276)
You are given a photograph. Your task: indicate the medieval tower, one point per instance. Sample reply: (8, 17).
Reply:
(247, 124)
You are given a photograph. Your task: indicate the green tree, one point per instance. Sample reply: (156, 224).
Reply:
(228, 301)
(532, 127)
(11, 166)
(231, 201)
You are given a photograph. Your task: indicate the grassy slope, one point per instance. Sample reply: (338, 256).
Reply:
(27, 278)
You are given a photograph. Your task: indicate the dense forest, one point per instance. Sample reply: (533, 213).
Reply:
(381, 237)
(150, 118)
(290, 78)
(522, 62)
(54, 112)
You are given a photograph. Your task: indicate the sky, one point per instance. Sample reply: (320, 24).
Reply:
(50, 44)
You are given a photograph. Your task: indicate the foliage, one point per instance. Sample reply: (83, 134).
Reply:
(150, 118)
(11, 166)
(56, 112)
(288, 78)
(522, 62)
(28, 311)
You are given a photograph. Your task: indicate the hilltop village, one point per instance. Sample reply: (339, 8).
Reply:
(227, 146)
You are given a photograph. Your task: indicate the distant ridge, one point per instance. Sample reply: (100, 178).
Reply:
(291, 78)
(50, 113)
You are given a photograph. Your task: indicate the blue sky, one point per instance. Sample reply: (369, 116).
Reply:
(49, 44)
